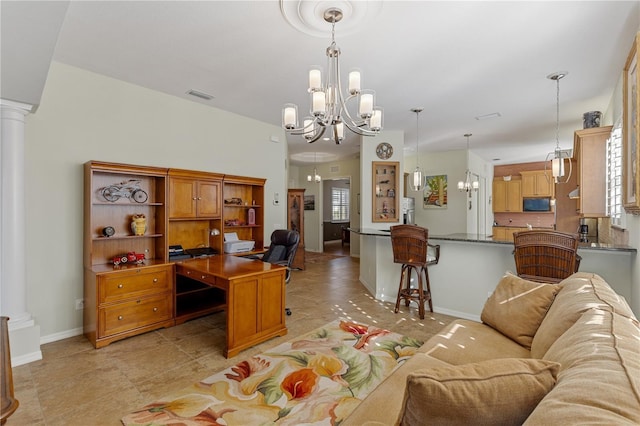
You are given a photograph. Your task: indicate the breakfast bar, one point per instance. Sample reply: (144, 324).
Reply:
(470, 266)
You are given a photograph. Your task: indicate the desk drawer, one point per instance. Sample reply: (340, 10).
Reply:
(134, 283)
(136, 313)
(197, 275)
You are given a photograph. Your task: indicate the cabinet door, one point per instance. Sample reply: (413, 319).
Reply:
(544, 184)
(208, 199)
(272, 297)
(514, 196)
(182, 198)
(499, 196)
(499, 234)
(537, 184)
(242, 321)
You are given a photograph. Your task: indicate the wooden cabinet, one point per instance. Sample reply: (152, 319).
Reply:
(244, 196)
(505, 233)
(507, 196)
(195, 209)
(295, 221)
(385, 191)
(127, 301)
(130, 298)
(589, 151)
(194, 195)
(537, 183)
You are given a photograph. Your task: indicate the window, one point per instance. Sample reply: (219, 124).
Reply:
(614, 176)
(339, 205)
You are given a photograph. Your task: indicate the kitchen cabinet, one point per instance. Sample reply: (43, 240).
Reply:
(537, 183)
(589, 152)
(505, 233)
(507, 195)
(295, 221)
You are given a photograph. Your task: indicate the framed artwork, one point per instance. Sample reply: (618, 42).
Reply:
(631, 132)
(435, 192)
(309, 202)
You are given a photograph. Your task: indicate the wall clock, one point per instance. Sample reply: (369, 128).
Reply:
(384, 151)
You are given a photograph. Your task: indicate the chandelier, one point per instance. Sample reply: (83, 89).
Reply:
(558, 156)
(419, 180)
(329, 105)
(315, 177)
(468, 185)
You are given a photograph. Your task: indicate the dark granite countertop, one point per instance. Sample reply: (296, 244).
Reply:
(480, 238)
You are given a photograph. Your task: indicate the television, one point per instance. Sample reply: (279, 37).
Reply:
(536, 204)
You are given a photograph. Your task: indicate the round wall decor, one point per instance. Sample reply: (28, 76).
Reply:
(384, 151)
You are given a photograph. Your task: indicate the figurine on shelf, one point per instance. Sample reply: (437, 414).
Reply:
(139, 224)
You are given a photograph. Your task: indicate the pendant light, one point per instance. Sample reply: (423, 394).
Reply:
(558, 156)
(467, 185)
(418, 179)
(315, 177)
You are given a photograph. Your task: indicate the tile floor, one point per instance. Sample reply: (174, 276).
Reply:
(75, 384)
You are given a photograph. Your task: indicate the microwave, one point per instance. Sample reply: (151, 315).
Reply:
(536, 204)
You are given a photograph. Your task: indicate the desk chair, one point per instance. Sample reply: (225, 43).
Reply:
(545, 256)
(282, 250)
(411, 249)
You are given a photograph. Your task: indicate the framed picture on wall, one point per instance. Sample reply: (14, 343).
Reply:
(309, 202)
(631, 132)
(435, 192)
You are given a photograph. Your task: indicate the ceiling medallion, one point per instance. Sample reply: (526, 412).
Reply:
(308, 16)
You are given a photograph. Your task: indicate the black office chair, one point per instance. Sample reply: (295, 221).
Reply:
(282, 250)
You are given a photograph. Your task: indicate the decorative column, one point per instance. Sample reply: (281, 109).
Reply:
(24, 333)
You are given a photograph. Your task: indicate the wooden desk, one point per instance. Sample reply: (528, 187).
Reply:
(251, 291)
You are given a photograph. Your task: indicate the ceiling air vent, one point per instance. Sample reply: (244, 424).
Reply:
(200, 95)
(334, 169)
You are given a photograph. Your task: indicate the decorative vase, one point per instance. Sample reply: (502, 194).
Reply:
(139, 224)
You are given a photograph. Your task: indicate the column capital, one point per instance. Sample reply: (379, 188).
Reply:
(23, 108)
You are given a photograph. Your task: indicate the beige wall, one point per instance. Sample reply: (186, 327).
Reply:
(85, 116)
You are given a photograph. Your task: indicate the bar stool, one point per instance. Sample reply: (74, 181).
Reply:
(411, 249)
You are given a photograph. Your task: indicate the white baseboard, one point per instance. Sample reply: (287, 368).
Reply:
(26, 358)
(61, 335)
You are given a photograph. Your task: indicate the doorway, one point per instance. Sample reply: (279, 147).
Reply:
(336, 214)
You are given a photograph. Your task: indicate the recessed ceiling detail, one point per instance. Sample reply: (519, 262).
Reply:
(308, 16)
(310, 157)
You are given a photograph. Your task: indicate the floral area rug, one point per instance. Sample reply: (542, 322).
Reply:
(318, 378)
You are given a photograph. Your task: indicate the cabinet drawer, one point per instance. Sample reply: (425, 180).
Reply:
(136, 313)
(197, 275)
(135, 283)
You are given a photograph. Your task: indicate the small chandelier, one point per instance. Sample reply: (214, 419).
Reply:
(419, 180)
(329, 105)
(468, 185)
(315, 177)
(558, 156)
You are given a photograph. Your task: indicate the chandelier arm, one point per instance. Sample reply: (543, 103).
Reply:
(318, 135)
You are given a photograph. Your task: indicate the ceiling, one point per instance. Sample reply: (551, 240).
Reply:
(460, 61)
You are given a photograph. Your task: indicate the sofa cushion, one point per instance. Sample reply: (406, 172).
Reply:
(465, 341)
(494, 392)
(580, 292)
(517, 307)
(381, 407)
(599, 379)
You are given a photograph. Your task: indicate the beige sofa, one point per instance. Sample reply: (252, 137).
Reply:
(543, 355)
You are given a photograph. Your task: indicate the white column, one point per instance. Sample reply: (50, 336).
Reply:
(24, 334)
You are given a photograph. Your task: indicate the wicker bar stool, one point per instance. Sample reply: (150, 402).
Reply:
(411, 249)
(545, 256)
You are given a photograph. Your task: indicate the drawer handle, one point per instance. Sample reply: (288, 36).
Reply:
(120, 285)
(120, 318)
(194, 198)
(155, 280)
(155, 309)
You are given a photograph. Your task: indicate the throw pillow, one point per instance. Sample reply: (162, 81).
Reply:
(495, 392)
(517, 307)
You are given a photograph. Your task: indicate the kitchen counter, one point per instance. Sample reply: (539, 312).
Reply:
(481, 238)
(470, 267)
